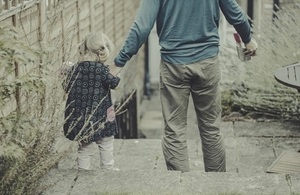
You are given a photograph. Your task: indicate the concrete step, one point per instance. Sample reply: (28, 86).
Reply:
(251, 147)
(243, 155)
(72, 182)
(142, 170)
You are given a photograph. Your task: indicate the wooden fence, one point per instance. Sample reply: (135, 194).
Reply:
(113, 17)
(57, 26)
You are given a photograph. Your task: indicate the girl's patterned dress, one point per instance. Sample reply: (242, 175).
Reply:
(89, 101)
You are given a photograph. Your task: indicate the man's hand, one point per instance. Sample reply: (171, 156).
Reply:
(251, 48)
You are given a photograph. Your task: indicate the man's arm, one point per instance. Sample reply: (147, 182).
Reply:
(236, 17)
(139, 31)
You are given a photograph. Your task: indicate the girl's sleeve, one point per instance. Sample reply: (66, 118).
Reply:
(108, 79)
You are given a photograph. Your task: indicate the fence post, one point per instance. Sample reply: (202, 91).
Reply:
(78, 22)
(14, 2)
(63, 45)
(104, 15)
(41, 35)
(17, 68)
(42, 20)
(114, 23)
(7, 4)
(1, 6)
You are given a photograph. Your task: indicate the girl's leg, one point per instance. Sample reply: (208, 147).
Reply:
(106, 150)
(84, 156)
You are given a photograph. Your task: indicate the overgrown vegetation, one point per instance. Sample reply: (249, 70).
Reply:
(31, 95)
(250, 88)
(31, 98)
(31, 118)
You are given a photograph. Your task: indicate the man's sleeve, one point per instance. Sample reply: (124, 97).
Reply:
(139, 31)
(236, 17)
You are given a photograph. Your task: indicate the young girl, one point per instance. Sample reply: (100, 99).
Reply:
(89, 113)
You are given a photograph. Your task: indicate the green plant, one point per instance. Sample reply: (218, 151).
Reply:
(12, 52)
(31, 104)
(253, 88)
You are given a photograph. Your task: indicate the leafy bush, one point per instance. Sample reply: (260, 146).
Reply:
(31, 115)
(250, 87)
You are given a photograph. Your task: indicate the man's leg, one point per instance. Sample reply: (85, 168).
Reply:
(207, 101)
(174, 96)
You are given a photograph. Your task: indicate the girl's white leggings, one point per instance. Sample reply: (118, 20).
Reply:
(106, 150)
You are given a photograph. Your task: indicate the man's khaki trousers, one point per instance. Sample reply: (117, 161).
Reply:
(201, 80)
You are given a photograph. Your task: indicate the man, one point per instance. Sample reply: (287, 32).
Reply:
(189, 40)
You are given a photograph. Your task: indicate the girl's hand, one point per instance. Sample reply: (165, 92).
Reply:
(114, 70)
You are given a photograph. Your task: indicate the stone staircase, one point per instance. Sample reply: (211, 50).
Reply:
(251, 147)
(142, 169)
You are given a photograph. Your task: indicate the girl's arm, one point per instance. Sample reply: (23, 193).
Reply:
(108, 79)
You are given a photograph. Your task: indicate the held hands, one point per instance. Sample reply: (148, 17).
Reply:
(251, 48)
(114, 70)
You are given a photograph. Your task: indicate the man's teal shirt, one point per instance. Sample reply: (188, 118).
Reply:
(187, 29)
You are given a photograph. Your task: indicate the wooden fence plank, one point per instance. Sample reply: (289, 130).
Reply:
(7, 4)
(42, 19)
(78, 22)
(9, 12)
(99, 15)
(92, 20)
(64, 23)
(14, 2)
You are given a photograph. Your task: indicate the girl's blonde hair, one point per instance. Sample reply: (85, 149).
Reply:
(96, 47)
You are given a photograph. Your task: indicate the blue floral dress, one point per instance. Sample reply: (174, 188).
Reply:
(89, 101)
